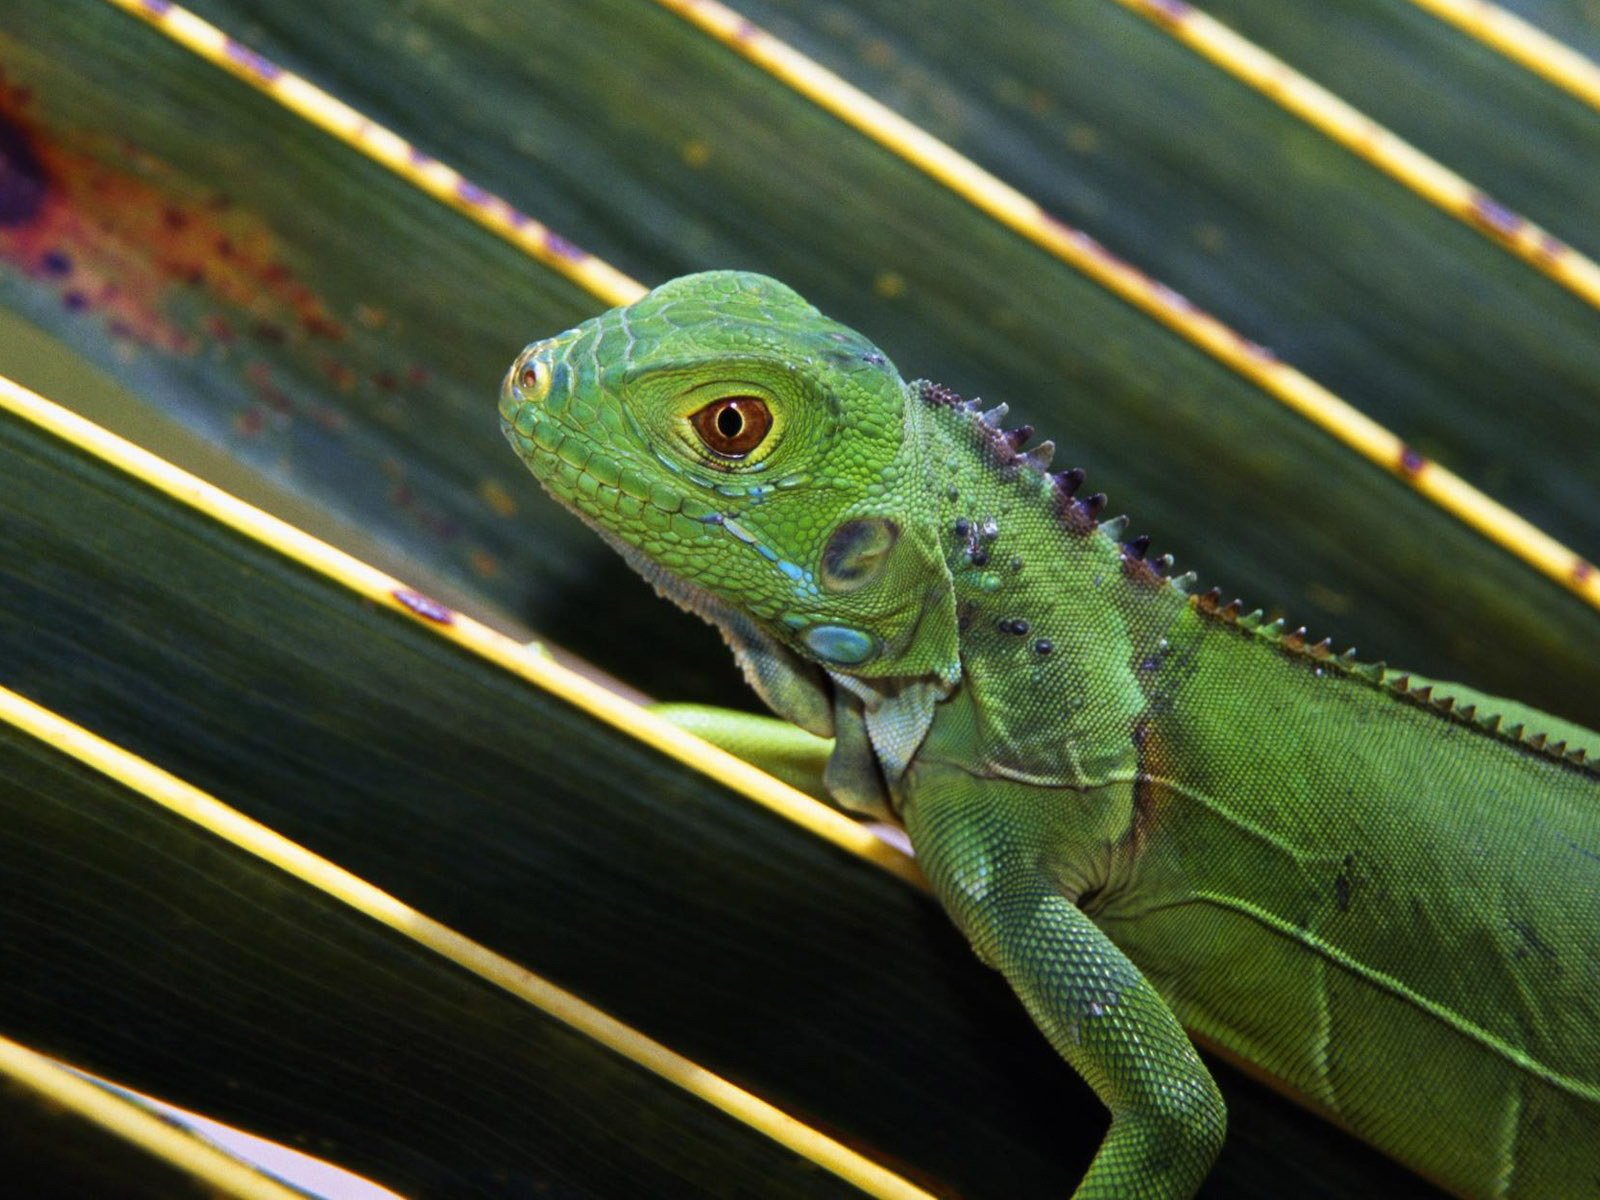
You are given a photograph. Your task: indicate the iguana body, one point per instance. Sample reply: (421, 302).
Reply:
(1148, 810)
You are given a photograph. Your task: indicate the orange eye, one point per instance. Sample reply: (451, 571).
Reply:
(732, 426)
(530, 377)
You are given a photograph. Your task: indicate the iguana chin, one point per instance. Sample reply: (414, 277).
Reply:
(1148, 809)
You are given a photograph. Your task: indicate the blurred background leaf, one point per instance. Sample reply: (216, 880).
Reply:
(237, 277)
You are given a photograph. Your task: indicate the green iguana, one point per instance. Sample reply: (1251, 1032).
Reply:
(1150, 810)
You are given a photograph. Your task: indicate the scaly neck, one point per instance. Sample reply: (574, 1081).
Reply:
(1059, 621)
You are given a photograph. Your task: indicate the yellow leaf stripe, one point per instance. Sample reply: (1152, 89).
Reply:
(984, 191)
(1373, 143)
(388, 148)
(190, 803)
(503, 651)
(1024, 216)
(1552, 60)
(122, 1118)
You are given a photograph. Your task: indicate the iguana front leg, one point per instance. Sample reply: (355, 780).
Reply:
(990, 870)
(777, 747)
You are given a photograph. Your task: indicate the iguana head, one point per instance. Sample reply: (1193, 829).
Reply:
(757, 460)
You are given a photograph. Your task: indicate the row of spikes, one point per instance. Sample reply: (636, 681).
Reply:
(1005, 448)
(1005, 445)
(1377, 673)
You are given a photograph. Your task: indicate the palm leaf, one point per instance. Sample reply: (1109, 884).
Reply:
(67, 1136)
(340, 335)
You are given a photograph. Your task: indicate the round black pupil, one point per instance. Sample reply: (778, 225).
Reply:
(729, 422)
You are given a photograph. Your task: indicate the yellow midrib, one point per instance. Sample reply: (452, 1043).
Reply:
(507, 653)
(208, 813)
(121, 1118)
(1523, 43)
(1358, 133)
(1018, 212)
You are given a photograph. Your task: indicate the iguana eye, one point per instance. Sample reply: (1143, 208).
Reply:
(732, 426)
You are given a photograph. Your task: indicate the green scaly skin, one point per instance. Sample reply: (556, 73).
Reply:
(1149, 811)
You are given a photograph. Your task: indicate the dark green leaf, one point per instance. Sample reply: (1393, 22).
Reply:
(145, 947)
(50, 1152)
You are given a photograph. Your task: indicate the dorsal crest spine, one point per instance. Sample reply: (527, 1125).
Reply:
(1002, 448)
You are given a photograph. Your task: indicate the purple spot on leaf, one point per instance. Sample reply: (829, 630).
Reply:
(471, 192)
(425, 607)
(256, 64)
(1170, 12)
(22, 181)
(1174, 299)
(54, 262)
(1495, 217)
(1411, 463)
(159, 7)
(561, 248)
(75, 301)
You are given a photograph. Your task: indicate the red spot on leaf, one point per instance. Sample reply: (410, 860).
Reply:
(318, 325)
